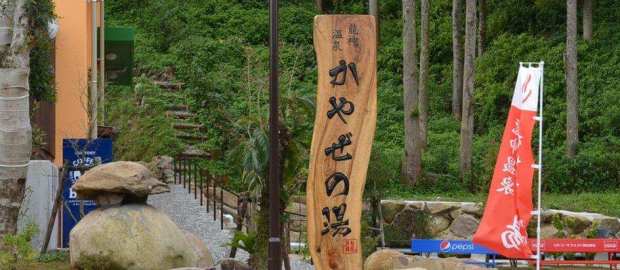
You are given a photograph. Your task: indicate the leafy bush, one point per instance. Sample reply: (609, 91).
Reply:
(139, 115)
(16, 249)
(41, 80)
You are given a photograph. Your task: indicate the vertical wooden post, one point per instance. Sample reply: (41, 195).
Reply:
(183, 170)
(207, 191)
(201, 177)
(190, 163)
(221, 208)
(174, 169)
(214, 199)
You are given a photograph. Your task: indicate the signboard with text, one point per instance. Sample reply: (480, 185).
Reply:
(577, 245)
(448, 247)
(344, 129)
(81, 155)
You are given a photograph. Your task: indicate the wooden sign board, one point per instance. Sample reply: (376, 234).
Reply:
(344, 129)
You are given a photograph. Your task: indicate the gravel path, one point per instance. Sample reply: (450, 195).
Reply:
(186, 212)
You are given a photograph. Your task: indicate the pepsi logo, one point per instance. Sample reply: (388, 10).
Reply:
(444, 245)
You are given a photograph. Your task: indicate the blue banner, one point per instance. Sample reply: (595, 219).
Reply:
(448, 247)
(81, 155)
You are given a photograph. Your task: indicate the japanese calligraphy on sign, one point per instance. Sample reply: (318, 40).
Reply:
(343, 133)
(508, 211)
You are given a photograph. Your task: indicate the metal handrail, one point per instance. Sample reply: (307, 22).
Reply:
(196, 177)
(188, 173)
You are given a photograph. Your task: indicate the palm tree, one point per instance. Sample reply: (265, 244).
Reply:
(252, 147)
(15, 129)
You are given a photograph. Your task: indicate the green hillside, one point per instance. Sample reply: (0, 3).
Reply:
(218, 48)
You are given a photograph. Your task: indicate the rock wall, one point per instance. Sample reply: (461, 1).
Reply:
(404, 220)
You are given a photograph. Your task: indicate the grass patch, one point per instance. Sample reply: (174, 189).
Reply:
(606, 203)
(45, 266)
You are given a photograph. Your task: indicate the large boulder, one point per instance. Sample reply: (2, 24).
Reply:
(131, 181)
(575, 224)
(194, 268)
(408, 224)
(384, 259)
(611, 225)
(389, 209)
(162, 168)
(464, 226)
(413, 262)
(474, 209)
(438, 224)
(547, 231)
(440, 207)
(129, 237)
(205, 259)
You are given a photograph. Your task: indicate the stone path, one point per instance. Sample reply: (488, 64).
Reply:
(186, 212)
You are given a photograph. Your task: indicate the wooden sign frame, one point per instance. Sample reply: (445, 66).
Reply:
(344, 128)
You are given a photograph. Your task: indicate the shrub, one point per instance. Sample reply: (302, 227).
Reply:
(16, 249)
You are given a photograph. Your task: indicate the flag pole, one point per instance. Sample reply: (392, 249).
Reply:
(541, 65)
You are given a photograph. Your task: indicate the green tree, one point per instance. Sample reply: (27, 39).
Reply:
(424, 71)
(457, 58)
(19, 27)
(252, 150)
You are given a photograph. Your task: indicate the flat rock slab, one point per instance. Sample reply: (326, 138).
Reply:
(122, 177)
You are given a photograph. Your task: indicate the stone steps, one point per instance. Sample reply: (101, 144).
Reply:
(180, 114)
(191, 137)
(171, 86)
(187, 126)
(192, 151)
(178, 107)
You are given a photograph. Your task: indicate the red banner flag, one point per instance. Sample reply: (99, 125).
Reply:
(503, 227)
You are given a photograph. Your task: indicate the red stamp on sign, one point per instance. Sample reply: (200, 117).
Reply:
(350, 246)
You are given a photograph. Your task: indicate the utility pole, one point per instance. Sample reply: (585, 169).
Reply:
(92, 103)
(275, 232)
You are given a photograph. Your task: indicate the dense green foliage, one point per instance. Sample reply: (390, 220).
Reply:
(219, 49)
(17, 252)
(40, 14)
(139, 115)
(17, 249)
